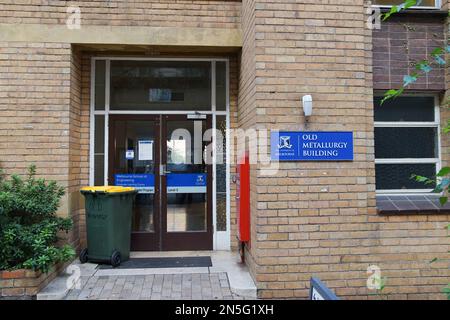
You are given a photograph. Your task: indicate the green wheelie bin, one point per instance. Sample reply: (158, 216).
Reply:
(108, 224)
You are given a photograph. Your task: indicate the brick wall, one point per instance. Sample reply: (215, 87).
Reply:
(25, 284)
(310, 218)
(402, 41)
(38, 87)
(160, 13)
(44, 114)
(320, 218)
(247, 114)
(34, 108)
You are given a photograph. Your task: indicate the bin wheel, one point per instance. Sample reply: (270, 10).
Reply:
(116, 259)
(84, 255)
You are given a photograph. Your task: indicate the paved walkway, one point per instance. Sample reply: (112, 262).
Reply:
(227, 278)
(198, 286)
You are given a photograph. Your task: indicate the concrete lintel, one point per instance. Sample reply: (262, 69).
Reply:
(128, 35)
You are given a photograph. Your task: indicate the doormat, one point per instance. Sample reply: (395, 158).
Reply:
(163, 262)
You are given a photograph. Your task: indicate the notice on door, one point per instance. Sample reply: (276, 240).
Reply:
(144, 183)
(145, 150)
(186, 183)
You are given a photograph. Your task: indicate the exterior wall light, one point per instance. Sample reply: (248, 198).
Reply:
(307, 106)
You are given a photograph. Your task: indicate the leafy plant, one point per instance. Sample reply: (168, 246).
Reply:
(29, 226)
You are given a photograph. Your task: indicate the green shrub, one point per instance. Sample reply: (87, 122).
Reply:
(29, 225)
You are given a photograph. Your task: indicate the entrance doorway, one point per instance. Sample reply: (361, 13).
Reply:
(135, 102)
(166, 159)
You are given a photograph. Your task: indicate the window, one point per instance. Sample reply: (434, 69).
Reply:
(406, 142)
(421, 4)
(160, 85)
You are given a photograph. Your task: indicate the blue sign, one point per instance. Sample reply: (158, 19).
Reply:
(143, 182)
(186, 183)
(176, 182)
(311, 146)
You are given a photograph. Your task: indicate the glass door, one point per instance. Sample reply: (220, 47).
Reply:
(166, 159)
(134, 161)
(186, 189)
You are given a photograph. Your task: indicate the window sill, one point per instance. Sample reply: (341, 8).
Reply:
(410, 204)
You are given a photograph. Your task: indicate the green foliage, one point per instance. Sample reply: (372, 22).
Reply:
(28, 224)
(401, 7)
(447, 127)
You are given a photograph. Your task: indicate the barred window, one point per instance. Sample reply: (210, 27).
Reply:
(406, 142)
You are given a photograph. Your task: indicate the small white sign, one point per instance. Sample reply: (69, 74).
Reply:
(129, 154)
(145, 150)
(316, 295)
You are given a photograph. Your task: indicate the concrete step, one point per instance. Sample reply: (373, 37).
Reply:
(62, 284)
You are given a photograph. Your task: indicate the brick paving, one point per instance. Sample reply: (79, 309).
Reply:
(196, 286)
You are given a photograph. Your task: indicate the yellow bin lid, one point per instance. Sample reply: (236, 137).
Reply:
(108, 189)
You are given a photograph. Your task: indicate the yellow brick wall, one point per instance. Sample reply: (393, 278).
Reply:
(320, 218)
(34, 108)
(309, 219)
(159, 13)
(247, 115)
(44, 112)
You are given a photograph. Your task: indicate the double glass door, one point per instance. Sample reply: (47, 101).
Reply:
(166, 159)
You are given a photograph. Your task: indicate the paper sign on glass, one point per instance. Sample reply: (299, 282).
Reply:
(129, 154)
(145, 150)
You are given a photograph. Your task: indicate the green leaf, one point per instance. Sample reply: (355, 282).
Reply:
(410, 3)
(424, 66)
(405, 5)
(443, 200)
(437, 51)
(392, 93)
(419, 178)
(434, 260)
(394, 9)
(443, 172)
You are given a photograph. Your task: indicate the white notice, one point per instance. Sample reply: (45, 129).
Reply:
(145, 150)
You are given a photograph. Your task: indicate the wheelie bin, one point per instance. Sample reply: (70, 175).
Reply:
(108, 224)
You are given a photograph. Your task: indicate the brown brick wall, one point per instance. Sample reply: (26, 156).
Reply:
(403, 41)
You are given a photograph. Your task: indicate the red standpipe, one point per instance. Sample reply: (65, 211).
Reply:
(243, 203)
